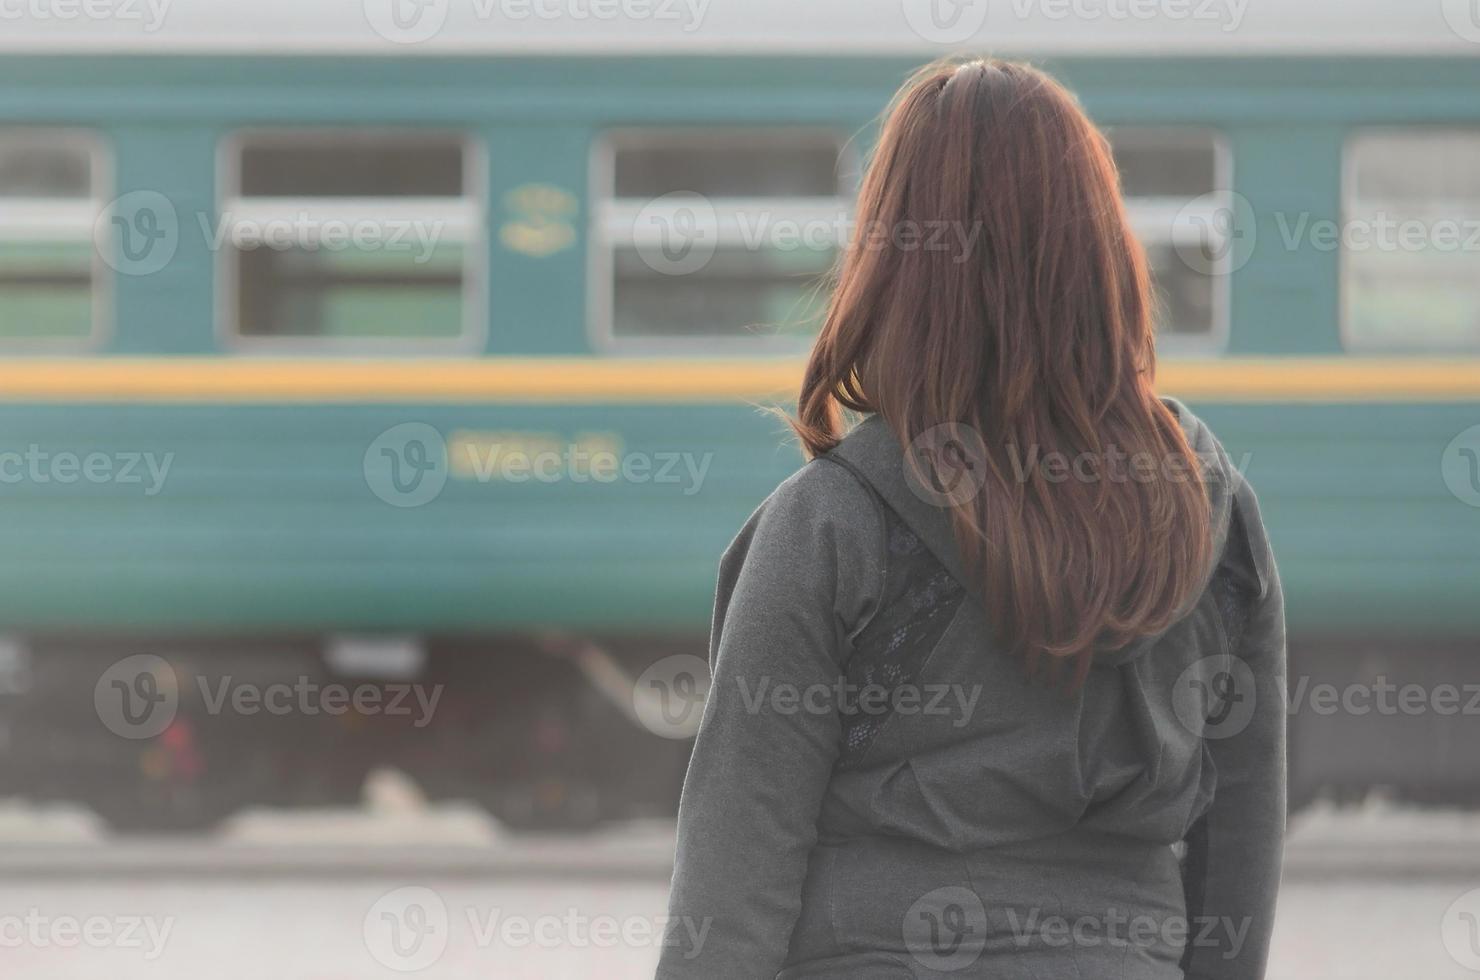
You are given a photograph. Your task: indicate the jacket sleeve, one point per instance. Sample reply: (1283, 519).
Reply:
(797, 582)
(1234, 852)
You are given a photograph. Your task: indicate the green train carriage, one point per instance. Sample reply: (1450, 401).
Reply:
(284, 524)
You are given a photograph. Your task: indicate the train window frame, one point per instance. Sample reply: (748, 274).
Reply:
(601, 250)
(1353, 138)
(474, 336)
(90, 208)
(1163, 215)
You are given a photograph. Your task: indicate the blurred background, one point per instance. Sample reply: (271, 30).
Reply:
(381, 380)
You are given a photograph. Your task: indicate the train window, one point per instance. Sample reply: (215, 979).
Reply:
(1177, 186)
(49, 201)
(1410, 241)
(363, 238)
(706, 237)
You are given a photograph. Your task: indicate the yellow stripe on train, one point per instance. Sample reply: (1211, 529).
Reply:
(585, 380)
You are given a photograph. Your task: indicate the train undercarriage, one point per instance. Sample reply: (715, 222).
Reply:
(178, 734)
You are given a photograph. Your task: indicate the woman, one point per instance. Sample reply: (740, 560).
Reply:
(999, 675)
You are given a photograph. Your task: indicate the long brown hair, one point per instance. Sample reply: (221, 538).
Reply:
(1025, 331)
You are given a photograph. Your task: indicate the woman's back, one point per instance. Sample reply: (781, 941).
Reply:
(999, 675)
(938, 813)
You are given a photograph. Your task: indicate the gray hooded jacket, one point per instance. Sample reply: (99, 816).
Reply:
(876, 792)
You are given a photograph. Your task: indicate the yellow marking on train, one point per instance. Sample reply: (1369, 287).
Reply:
(492, 380)
(586, 380)
(1310, 379)
(542, 220)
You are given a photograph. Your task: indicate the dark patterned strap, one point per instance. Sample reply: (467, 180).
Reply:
(1235, 583)
(920, 598)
